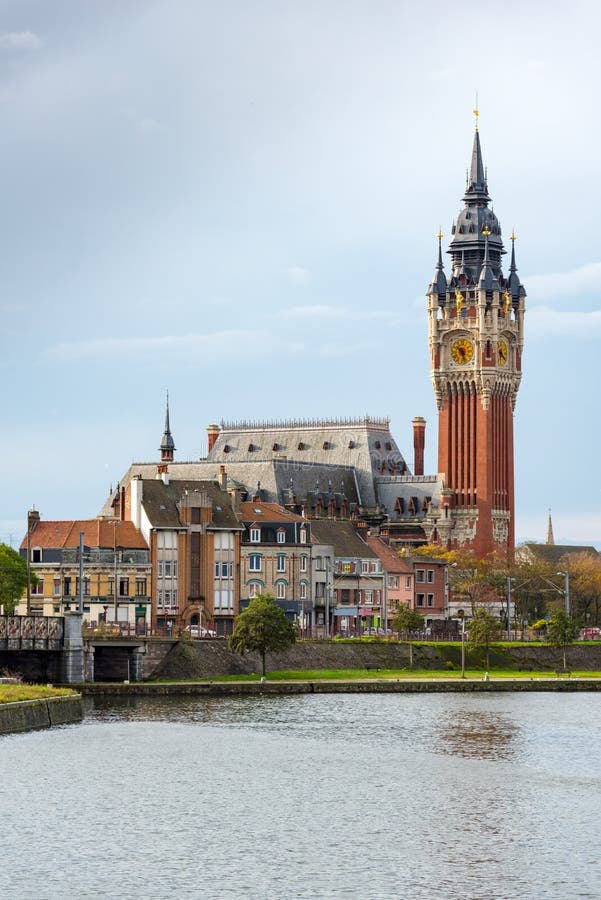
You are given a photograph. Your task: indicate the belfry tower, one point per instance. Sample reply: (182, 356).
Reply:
(476, 331)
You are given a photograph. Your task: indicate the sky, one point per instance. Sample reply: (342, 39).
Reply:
(237, 202)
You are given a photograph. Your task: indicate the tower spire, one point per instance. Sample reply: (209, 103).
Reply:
(167, 447)
(438, 285)
(550, 538)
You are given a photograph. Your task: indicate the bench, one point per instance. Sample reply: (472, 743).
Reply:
(372, 668)
(566, 673)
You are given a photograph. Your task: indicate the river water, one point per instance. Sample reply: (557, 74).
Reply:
(328, 796)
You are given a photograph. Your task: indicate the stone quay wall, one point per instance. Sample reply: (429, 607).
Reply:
(28, 715)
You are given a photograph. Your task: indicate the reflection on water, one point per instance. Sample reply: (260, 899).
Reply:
(477, 734)
(437, 796)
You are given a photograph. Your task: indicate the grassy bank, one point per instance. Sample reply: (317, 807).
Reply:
(15, 693)
(384, 674)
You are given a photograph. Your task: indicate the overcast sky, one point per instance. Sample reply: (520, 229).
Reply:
(237, 202)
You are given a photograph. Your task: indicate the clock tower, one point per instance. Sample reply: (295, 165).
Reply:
(476, 330)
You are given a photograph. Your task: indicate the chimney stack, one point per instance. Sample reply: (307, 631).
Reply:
(419, 441)
(222, 478)
(213, 433)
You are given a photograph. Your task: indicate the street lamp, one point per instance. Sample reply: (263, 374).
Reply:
(509, 582)
(566, 590)
(461, 615)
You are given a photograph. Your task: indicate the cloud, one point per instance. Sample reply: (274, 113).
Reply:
(198, 348)
(336, 312)
(543, 321)
(342, 349)
(298, 275)
(585, 279)
(20, 40)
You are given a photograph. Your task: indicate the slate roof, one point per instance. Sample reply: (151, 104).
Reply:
(365, 444)
(98, 533)
(160, 501)
(341, 535)
(552, 553)
(421, 487)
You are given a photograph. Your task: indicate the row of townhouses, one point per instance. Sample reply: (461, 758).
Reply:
(174, 553)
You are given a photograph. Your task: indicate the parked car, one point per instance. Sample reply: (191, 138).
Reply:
(196, 632)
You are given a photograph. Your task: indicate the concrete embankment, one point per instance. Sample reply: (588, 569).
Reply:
(376, 686)
(210, 659)
(28, 715)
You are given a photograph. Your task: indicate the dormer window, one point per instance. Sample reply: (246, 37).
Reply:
(303, 535)
(326, 445)
(255, 535)
(351, 445)
(275, 447)
(281, 536)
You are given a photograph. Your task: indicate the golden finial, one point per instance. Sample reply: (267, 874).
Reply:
(459, 301)
(440, 235)
(513, 237)
(476, 111)
(486, 231)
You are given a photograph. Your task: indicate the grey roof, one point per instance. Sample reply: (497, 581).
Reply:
(340, 535)
(365, 444)
(424, 488)
(552, 553)
(160, 501)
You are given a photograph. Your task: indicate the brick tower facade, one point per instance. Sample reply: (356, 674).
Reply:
(476, 327)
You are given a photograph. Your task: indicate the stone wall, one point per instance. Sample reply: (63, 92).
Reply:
(32, 714)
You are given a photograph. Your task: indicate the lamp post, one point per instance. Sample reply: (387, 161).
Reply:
(461, 615)
(566, 589)
(509, 582)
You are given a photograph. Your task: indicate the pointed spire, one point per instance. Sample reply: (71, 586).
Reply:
(513, 285)
(438, 285)
(477, 174)
(550, 538)
(488, 280)
(167, 447)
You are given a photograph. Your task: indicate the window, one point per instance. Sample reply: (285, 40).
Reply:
(216, 569)
(231, 570)
(38, 589)
(303, 563)
(281, 564)
(36, 555)
(303, 535)
(140, 587)
(393, 581)
(254, 589)
(364, 565)
(56, 587)
(318, 563)
(254, 562)
(420, 599)
(281, 536)
(430, 599)
(255, 535)
(369, 598)
(67, 587)
(167, 568)
(430, 576)
(420, 575)
(174, 598)
(281, 590)
(160, 599)
(408, 582)
(167, 598)
(160, 569)
(124, 587)
(303, 590)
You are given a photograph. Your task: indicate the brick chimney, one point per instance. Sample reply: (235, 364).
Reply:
(419, 442)
(213, 433)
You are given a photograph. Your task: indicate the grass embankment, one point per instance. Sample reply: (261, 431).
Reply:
(15, 693)
(388, 674)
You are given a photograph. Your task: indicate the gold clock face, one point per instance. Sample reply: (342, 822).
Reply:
(502, 353)
(462, 351)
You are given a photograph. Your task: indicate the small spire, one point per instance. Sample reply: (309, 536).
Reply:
(550, 538)
(438, 285)
(167, 447)
(487, 281)
(513, 284)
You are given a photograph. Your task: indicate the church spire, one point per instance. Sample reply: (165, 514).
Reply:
(438, 284)
(550, 538)
(477, 185)
(167, 447)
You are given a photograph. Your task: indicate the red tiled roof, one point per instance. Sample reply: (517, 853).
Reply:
(97, 533)
(266, 512)
(391, 561)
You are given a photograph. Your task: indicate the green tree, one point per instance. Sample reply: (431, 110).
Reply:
(406, 621)
(484, 628)
(13, 578)
(262, 627)
(561, 631)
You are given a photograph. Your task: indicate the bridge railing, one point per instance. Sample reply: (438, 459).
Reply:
(32, 632)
